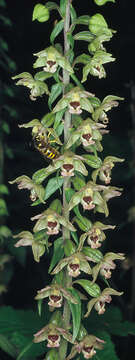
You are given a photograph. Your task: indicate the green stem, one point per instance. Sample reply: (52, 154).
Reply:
(66, 232)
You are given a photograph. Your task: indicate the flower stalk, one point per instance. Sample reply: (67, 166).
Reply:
(79, 118)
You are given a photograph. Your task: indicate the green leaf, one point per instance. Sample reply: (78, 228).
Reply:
(92, 160)
(83, 223)
(56, 90)
(102, 2)
(63, 4)
(7, 346)
(56, 31)
(94, 254)
(76, 313)
(84, 35)
(92, 289)
(40, 13)
(53, 185)
(58, 253)
(73, 13)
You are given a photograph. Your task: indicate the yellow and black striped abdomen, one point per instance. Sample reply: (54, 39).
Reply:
(45, 148)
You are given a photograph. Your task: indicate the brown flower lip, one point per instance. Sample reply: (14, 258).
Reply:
(75, 104)
(55, 298)
(94, 238)
(88, 348)
(53, 338)
(52, 224)
(68, 167)
(87, 136)
(74, 267)
(87, 199)
(51, 63)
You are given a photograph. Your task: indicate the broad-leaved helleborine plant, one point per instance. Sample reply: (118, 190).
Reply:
(69, 137)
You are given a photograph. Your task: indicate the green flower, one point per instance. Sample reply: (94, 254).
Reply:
(50, 59)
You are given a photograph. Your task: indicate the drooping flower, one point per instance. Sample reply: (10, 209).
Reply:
(55, 292)
(87, 346)
(36, 190)
(50, 58)
(104, 172)
(99, 302)
(52, 333)
(51, 221)
(106, 265)
(95, 236)
(75, 264)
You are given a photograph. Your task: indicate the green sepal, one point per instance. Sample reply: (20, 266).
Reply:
(92, 160)
(76, 313)
(94, 254)
(40, 13)
(82, 20)
(98, 25)
(56, 31)
(92, 289)
(82, 333)
(30, 124)
(58, 253)
(42, 75)
(40, 175)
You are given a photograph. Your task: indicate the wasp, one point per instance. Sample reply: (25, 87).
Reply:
(42, 143)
